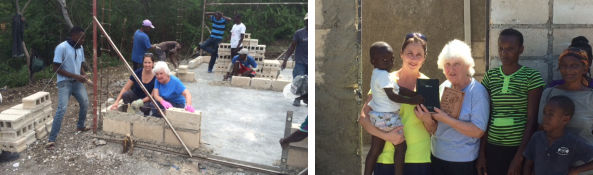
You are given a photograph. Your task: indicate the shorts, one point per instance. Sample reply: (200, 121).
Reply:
(385, 121)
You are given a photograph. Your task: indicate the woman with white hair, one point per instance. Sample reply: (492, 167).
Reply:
(168, 90)
(456, 141)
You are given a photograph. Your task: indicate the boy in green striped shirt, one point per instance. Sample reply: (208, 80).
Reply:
(515, 91)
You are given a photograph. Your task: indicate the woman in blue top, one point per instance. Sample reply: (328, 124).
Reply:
(169, 91)
(131, 92)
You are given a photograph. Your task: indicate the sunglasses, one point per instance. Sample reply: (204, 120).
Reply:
(148, 54)
(419, 35)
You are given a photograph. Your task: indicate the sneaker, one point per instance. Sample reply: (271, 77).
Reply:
(297, 102)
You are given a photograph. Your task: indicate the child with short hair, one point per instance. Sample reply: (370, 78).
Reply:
(386, 96)
(554, 151)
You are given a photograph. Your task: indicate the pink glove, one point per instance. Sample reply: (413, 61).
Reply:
(189, 108)
(166, 104)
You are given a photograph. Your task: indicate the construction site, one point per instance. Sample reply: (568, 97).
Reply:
(235, 128)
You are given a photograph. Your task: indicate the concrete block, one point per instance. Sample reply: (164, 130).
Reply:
(182, 69)
(20, 144)
(247, 36)
(36, 100)
(278, 85)
(573, 12)
(194, 63)
(224, 45)
(300, 144)
(563, 37)
(190, 138)
(297, 157)
(261, 83)
(534, 40)
(187, 76)
(148, 129)
(116, 122)
(41, 132)
(238, 81)
(480, 65)
(12, 135)
(12, 119)
(205, 59)
(272, 64)
(510, 12)
(182, 119)
(48, 125)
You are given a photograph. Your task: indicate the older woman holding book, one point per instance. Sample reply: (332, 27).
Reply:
(464, 114)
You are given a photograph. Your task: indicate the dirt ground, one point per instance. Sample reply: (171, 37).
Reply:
(80, 153)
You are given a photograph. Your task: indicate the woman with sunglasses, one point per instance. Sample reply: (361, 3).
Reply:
(131, 92)
(417, 154)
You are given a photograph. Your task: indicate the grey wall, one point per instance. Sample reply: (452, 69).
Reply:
(548, 26)
(337, 52)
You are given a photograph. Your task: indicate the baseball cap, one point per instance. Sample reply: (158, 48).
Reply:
(147, 23)
(243, 51)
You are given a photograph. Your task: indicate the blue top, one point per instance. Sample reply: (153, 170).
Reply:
(300, 53)
(69, 58)
(450, 145)
(249, 61)
(558, 157)
(217, 27)
(141, 45)
(172, 90)
(136, 88)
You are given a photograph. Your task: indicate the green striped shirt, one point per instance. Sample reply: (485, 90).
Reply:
(508, 95)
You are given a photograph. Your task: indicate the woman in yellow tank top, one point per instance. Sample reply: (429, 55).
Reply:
(417, 154)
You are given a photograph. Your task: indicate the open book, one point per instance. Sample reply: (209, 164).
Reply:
(451, 102)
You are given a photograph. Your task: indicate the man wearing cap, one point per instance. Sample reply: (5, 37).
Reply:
(141, 43)
(237, 35)
(299, 47)
(211, 44)
(243, 65)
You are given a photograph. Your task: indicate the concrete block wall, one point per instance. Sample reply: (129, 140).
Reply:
(155, 130)
(24, 123)
(547, 26)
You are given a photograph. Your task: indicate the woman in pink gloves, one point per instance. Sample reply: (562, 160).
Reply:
(168, 90)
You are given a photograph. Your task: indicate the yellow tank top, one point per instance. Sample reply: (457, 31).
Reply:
(417, 138)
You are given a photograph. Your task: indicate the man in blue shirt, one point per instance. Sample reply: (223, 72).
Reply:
(141, 43)
(243, 65)
(299, 47)
(211, 44)
(68, 58)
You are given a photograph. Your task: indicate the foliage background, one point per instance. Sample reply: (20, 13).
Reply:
(45, 27)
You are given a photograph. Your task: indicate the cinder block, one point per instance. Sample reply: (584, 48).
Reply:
(297, 157)
(49, 124)
(116, 122)
(194, 63)
(572, 12)
(238, 81)
(278, 85)
(36, 100)
(20, 144)
(300, 144)
(182, 119)
(12, 119)
(12, 135)
(42, 117)
(478, 49)
(511, 12)
(190, 138)
(563, 37)
(148, 129)
(535, 42)
(187, 76)
(41, 132)
(261, 83)
(205, 59)
(182, 69)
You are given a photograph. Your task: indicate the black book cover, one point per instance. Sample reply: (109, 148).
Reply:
(429, 89)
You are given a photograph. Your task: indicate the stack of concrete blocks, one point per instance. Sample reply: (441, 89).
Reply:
(269, 69)
(197, 61)
(259, 83)
(22, 124)
(297, 151)
(223, 62)
(185, 75)
(155, 130)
